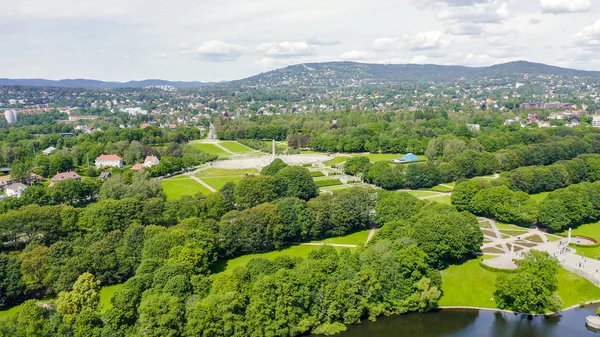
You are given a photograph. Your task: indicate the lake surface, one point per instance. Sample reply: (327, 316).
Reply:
(476, 323)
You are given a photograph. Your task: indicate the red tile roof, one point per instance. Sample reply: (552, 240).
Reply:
(65, 175)
(108, 157)
(137, 167)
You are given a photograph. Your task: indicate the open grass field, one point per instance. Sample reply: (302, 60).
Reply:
(179, 186)
(219, 172)
(217, 177)
(350, 239)
(336, 161)
(236, 147)
(490, 177)
(293, 251)
(327, 182)
(418, 194)
(211, 149)
(376, 157)
(218, 182)
(468, 284)
(539, 197)
(439, 188)
(106, 293)
(444, 199)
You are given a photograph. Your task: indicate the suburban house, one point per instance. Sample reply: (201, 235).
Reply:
(15, 190)
(596, 121)
(64, 176)
(137, 167)
(49, 151)
(151, 161)
(109, 160)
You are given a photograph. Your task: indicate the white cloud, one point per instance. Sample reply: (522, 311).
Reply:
(466, 29)
(286, 49)
(320, 41)
(495, 11)
(449, 2)
(356, 55)
(219, 51)
(385, 43)
(419, 41)
(589, 36)
(565, 6)
(426, 40)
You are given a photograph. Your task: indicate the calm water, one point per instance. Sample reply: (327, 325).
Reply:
(474, 323)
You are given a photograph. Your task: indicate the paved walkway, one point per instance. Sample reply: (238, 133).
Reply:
(193, 176)
(441, 194)
(371, 234)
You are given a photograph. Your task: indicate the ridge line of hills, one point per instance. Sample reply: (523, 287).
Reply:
(336, 73)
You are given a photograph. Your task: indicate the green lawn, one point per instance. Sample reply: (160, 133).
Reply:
(573, 289)
(419, 194)
(236, 147)
(293, 251)
(218, 182)
(468, 284)
(179, 186)
(211, 149)
(445, 199)
(439, 188)
(539, 197)
(327, 182)
(490, 177)
(376, 157)
(219, 172)
(350, 239)
(590, 231)
(501, 226)
(336, 161)
(106, 293)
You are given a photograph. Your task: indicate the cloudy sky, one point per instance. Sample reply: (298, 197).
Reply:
(229, 39)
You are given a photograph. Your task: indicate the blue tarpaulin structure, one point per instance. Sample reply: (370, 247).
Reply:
(408, 158)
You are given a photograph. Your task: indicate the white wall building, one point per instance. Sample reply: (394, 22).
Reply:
(15, 190)
(11, 116)
(109, 160)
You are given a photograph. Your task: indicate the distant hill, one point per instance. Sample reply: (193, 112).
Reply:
(348, 74)
(351, 73)
(93, 84)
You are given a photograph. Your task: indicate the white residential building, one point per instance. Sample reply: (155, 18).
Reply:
(109, 160)
(136, 111)
(49, 151)
(11, 116)
(15, 190)
(596, 121)
(151, 161)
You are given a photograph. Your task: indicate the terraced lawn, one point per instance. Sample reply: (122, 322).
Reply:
(236, 147)
(218, 182)
(179, 186)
